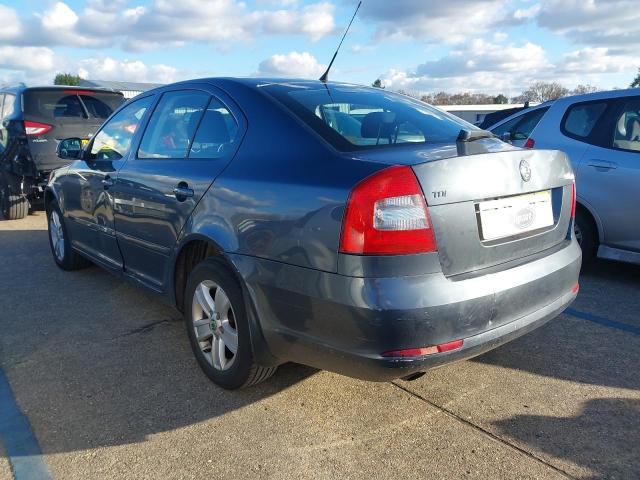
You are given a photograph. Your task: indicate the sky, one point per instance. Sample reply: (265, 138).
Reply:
(488, 46)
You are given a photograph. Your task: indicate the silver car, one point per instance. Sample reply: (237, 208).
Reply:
(600, 132)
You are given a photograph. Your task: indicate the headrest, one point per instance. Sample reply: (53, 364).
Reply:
(213, 128)
(378, 125)
(633, 129)
(622, 126)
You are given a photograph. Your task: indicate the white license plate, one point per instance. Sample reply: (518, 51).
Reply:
(511, 216)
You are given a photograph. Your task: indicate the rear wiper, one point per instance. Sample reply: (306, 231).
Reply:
(471, 135)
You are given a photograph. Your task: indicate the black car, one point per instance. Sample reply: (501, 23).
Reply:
(32, 122)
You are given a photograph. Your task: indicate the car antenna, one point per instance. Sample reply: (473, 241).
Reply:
(325, 75)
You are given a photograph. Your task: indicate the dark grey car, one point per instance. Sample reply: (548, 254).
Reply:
(343, 227)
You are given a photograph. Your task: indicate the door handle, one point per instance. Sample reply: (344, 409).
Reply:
(182, 191)
(107, 182)
(604, 164)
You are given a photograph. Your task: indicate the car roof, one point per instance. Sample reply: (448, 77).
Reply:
(599, 95)
(546, 104)
(23, 88)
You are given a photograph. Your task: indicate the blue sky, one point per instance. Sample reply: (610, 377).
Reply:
(488, 46)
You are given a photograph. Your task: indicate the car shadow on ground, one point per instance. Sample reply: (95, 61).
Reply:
(96, 362)
(608, 440)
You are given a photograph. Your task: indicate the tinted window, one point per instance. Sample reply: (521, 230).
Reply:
(114, 140)
(582, 117)
(101, 105)
(626, 135)
(521, 126)
(52, 105)
(173, 124)
(216, 133)
(357, 118)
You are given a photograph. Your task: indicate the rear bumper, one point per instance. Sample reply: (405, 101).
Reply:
(344, 324)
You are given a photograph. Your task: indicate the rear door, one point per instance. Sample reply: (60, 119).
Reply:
(190, 137)
(51, 115)
(609, 176)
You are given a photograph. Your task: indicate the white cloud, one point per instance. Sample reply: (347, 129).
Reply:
(165, 22)
(451, 21)
(293, 64)
(27, 58)
(526, 13)
(107, 68)
(595, 23)
(11, 25)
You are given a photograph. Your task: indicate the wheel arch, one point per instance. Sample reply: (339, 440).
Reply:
(585, 207)
(192, 250)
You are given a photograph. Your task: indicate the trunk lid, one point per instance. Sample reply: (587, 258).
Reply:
(463, 183)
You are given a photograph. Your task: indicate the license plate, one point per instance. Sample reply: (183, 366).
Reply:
(512, 216)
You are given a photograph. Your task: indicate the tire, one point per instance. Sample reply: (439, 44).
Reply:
(214, 308)
(13, 205)
(587, 235)
(60, 243)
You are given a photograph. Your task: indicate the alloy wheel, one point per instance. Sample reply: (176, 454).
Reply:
(57, 235)
(214, 325)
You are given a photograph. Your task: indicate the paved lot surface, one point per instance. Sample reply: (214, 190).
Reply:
(106, 378)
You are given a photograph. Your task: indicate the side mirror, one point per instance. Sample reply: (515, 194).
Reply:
(506, 137)
(69, 149)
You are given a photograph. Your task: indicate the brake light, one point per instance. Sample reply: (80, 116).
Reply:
(78, 92)
(530, 143)
(35, 128)
(419, 352)
(573, 200)
(387, 215)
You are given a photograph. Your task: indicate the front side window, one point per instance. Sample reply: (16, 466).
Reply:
(356, 118)
(626, 135)
(173, 124)
(114, 140)
(582, 117)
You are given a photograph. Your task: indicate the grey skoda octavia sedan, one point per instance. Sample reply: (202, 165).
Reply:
(343, 227)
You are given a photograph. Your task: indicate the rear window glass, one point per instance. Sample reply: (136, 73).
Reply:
(355, 119)
(581, 118)
(68, 104)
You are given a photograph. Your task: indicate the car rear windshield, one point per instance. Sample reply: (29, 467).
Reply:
(358, 118)
(70, 104)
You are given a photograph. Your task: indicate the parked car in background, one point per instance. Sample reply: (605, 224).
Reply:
(343, 227)
(600, 132)
(32, 122)
(516, 128)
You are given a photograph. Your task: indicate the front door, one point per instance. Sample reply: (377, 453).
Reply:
(610, 177)
(189, 139)
(86, 196)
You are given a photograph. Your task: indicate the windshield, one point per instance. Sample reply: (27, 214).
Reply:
(352, 118)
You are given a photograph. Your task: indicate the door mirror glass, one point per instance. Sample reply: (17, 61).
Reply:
(69, 148)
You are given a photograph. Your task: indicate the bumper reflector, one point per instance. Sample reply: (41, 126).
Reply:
(575, 288)
(420, 352)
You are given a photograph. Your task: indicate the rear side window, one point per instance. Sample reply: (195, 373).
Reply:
(70, 104)
(216, 133)
(173, 124)
(114, 140)
(9, 105)
(626, 135)
(580, 118)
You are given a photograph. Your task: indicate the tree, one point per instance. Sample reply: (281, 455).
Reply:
(636, 81)
(377, 83)
(542, 92)
(67, 79)
(582, 89)
(501, 99)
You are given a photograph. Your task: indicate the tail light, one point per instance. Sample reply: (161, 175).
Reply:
(530, 143)
(387, 215)
(419, 352)
(35, 128)
(573, 200)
